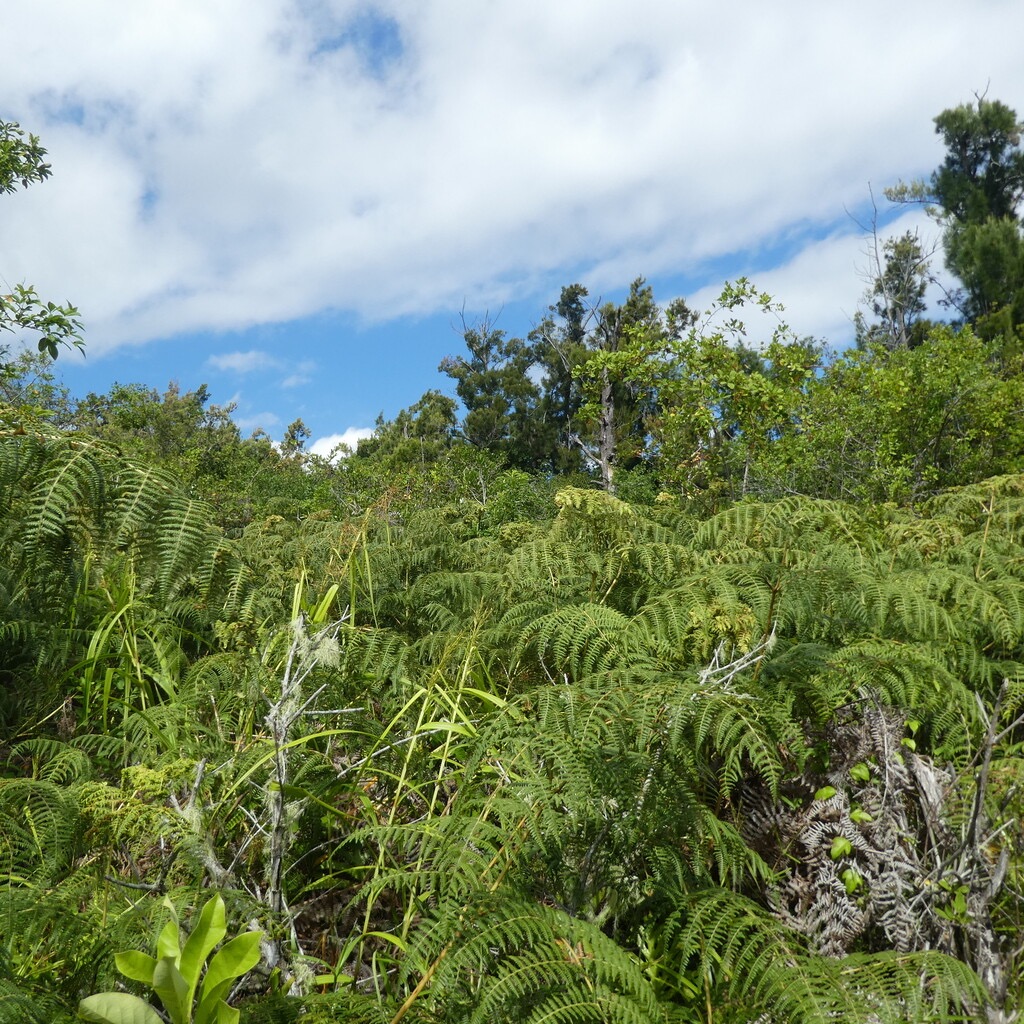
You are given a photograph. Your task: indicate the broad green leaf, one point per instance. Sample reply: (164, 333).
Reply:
(841, 847)
(211, 1000)
(136, 965)
(490, 698)
(207, 933)
(231, 961)
(117, 1008)
(173, 991)
(227, 1014)
(168, 941)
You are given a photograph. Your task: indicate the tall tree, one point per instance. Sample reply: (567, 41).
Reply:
(500, 398)
(982, 174)
(977, 194)
(599, 408)
(896, 295)
(558, 345)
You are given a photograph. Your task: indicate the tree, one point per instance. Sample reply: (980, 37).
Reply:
(29, 390)
(896, 295)
(976, 194)
(500, 399)
(558, 343)
(594, 403)
(295, 438)
(882, 425)
(982, 174)
(988, 257)
(733, 400)
(416, 461)
(21, 164)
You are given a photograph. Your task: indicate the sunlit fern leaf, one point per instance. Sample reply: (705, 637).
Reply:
(183, 541)
(998, 499)
(994, 608)
(69, 492)
(141, 494)
(683, 626)
(498, 959)
(579, 640)
(744, 735)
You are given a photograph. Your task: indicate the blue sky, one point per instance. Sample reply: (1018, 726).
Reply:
(293, 201)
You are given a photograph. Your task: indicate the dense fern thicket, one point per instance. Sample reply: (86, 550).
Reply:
(602, 762)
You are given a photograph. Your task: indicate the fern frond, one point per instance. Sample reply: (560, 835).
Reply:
(502, 960)
(579, 640)
(752, 961)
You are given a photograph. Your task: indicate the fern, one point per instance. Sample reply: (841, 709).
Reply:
(498, 960)
(748, 960)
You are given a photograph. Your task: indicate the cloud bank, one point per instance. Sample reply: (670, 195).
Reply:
(218, 166)
(326, 447)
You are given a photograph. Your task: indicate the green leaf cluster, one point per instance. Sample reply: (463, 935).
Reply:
(190, 989)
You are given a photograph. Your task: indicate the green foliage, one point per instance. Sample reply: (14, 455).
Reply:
(498, 394)
(21, 163)
(901, 425)
(175, 973)
(471, 745)
(982, 174)
(200, 446)
(24, 310)
(977, 194)
(896, 295)
(109, 576)
(21, 158)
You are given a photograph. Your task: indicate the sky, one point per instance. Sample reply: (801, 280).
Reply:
(296, 202)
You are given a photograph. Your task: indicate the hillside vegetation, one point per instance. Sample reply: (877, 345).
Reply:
(681, 679)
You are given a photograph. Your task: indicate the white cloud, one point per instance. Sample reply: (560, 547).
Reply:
(266, 421)
(303, 375)
(822, 285)
(325, 446)
(223, 165)
(242, 362)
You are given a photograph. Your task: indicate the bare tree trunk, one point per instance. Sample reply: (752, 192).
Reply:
(304, 654)
(606, 434)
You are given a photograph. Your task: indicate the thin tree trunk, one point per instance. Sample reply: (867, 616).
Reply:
(606, 436)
